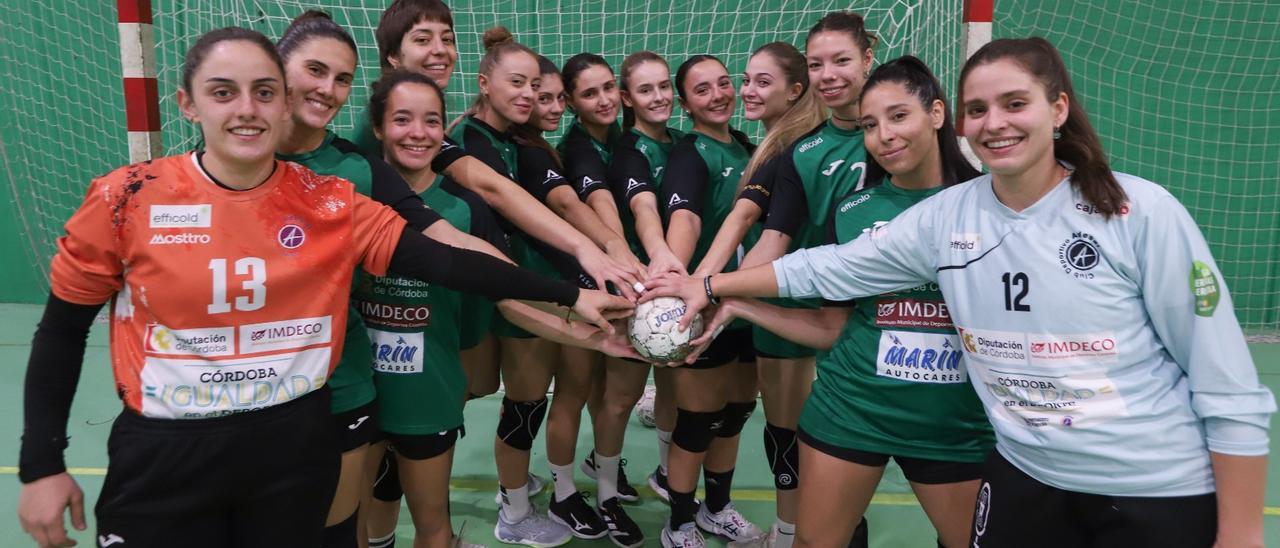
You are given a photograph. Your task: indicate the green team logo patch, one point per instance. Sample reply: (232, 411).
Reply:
(1204, 285)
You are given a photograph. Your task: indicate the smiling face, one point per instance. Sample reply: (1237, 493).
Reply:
(595, 98)
(708, 94)
(429, 48)
(838, 68)
(238, 97)
(509, 90)
(412, 128)
(320, 73)
(901, 134)
(1008, 119)
(549, 103)
(650, 95)
(765, 93)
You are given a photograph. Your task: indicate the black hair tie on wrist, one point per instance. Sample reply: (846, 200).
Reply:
(706, 284)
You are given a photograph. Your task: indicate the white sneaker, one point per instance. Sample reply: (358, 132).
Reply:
(644, 407)
(534, 530)
(767, 541)
(727, 523)
(535, 486)
(687, 536)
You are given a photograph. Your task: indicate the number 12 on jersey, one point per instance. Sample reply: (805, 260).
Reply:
(1016, 281)
(253, 267)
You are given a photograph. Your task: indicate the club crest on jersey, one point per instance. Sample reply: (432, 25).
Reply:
(291, 236)
(676, 200)
(1079, 254)
(552, 176)
(632, 184)
(587, 181)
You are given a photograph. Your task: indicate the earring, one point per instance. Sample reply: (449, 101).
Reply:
(1057, 134)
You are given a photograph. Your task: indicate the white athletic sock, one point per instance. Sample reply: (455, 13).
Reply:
(607, 476)
(664, 447)
(515, 503)
(388, 541)
(562, 477)
(786, 534)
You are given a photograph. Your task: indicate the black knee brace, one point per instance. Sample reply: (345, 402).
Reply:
(694, 429)
(386, 485)
(734, 417)
(520, 421)
(784, 456)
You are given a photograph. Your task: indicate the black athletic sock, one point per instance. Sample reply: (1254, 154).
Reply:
(860, 535)
(343, 534)
(718, 485)
(683, 508)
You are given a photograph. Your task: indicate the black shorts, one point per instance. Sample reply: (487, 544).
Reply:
(424, 446)
(356, 428)
(732, 346)
(260, 478)
(1013, 507)
(917, 470)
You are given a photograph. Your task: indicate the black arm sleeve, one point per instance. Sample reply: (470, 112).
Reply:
(53, 371)
(583, 165)
(479, 147)
(759, 189)
(449, 153)
(789, 207)
(467, 271)
(538, 172)
(629, 172)
(685, 182)
(391, 189)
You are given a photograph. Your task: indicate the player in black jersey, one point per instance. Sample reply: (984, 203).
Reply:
(777, 92)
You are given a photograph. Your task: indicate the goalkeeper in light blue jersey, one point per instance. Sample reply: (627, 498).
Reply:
(1095, 325)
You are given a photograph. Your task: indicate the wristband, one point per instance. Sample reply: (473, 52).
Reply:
(706, 284)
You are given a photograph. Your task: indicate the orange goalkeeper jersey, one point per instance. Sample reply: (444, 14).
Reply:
(222, 301)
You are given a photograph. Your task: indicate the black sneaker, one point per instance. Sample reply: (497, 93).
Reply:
(658, 482)
(577, 515)
(622, 531)
(626, 492)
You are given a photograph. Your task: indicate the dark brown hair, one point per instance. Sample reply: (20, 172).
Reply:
(1079, 144)
(400, 17)
(624, 74)
(914, 75)
(528, 134)
(683, 71)
(578, 63)
(196, 55)
(389, 81)
(847, 22)
(310, 25)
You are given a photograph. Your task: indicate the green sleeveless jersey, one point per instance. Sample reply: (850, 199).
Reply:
(413, 332)
(894, 383)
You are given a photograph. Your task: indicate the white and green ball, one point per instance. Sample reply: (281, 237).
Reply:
(655, 330)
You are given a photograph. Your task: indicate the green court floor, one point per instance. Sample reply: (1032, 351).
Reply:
(895, 517)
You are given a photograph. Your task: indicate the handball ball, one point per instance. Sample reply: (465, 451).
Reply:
(655, 330)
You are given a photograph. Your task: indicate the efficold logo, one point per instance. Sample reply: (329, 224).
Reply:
(181, 216)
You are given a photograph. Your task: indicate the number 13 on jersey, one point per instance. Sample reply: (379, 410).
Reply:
(254, 287)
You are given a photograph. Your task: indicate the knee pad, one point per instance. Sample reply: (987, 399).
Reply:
(520, 421)
(734, 416)
(694, 429)
(386, 485)
(784, 456)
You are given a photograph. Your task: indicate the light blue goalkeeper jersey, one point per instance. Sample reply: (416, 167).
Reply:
(1107, 353)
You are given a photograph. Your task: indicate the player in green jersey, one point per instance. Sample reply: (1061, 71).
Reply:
(414, 326)
(697, 191)
(864, 407)
(775, 91)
